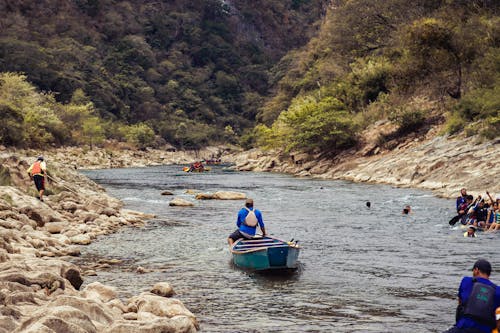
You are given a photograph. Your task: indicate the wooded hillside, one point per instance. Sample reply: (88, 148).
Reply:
(414, 63)
(311, 74)
(192, 71)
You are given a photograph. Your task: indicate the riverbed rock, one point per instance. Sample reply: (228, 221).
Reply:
(167, 193)
(81, 239)
(180, 202)
(163, 289)
(221, 195)
(98, 291)
(55, 227)
(161, 307)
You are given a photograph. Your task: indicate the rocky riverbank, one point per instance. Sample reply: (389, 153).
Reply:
(438, 163)
(40, 290)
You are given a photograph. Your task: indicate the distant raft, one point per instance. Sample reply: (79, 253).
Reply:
(204, 169)
(265, 253)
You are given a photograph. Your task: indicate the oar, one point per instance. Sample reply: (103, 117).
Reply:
(454, 220)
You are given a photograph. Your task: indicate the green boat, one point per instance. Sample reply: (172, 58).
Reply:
(265, 253)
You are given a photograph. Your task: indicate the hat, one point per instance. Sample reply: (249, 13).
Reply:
(483, 265)
(40, 158)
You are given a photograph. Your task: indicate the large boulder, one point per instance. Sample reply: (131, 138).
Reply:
(55, 227)
(58, 319)
(147, 303)
(178, 324)
(221, 195)
(99, 291)
(163, 289)
(180, 202)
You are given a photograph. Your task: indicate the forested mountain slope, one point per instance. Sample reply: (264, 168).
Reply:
(312, 74)
(187, 69)
(407, 64)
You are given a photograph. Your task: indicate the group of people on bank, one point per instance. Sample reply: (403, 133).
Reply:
(477, 213)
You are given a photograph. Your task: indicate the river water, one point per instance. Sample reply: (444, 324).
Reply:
(361, 269)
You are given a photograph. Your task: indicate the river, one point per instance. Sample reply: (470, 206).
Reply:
(361, 269)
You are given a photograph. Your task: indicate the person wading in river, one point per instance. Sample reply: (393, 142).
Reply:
(248, 219)
(478, 298)
(37, 172)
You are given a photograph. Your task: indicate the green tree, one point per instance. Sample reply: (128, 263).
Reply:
(93, 131)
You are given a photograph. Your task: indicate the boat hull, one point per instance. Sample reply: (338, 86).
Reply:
(268, 254)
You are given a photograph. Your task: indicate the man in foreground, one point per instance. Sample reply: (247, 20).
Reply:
(247, 221)
(478, 298)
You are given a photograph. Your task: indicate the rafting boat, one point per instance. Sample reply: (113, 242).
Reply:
(205, 169)
(265, 253)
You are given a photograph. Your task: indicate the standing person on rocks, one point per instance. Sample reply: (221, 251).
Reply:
(247, 221)
(478, 298)
(37, 172)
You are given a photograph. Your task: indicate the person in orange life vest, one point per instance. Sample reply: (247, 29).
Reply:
(248, 219)
(37, 172)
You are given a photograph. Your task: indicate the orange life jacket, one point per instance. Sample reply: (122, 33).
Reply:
(37, 168)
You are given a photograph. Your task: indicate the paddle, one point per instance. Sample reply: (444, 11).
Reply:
(459, 217)
(454, 220)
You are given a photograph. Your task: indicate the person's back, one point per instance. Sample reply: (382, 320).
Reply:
(247, 221)
(478, 298)
(478, 315)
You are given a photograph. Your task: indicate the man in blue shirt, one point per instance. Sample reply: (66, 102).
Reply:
(461, 199)
(478, 298)
(247, 221)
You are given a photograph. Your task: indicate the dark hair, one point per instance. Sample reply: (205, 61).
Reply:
(483, 265)
(469, 197)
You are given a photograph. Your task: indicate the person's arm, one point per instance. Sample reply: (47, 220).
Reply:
(489, 196)
(261, 222)
(239, 220)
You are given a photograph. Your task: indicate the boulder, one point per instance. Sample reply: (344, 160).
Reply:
(82, 239)
(69, 206)
(72, 274)
(58, 319)
(55, 227)
(180, 202)
(161, 307)
(33, 215)
(99, 291)
(229, 195)
(108, 211)
(221, 195)
(163, 289)
(179, 324)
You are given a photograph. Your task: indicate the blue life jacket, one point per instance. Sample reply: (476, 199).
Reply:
(480, 305)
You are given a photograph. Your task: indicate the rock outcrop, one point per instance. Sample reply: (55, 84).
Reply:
(438, 163)
(42, 292)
